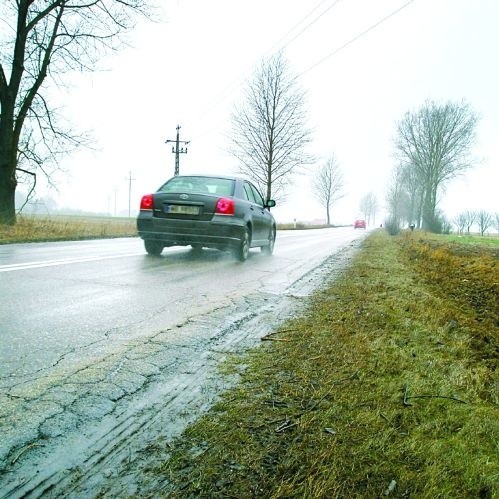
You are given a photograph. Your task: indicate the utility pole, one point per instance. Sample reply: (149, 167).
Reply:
(129, 191)
(177, 150)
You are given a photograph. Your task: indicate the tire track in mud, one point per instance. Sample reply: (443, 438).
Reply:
(106, 449)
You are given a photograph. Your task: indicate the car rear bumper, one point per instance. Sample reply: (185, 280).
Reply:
(220, 232)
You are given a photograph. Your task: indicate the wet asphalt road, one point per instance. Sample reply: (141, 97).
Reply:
(103, 348)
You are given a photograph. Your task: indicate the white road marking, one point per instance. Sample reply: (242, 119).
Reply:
(66, 261)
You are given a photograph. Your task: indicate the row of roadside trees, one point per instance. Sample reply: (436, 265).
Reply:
(482, 220)
(433, 146)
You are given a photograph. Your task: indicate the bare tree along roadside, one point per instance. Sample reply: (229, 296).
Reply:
(48, 41)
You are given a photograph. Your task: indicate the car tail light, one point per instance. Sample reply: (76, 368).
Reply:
(225, 206)
(146, 203)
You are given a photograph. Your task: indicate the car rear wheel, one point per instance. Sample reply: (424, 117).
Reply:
(269, 248)
(242, 249)
(153, 248)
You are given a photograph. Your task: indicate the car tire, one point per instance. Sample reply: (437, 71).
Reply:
(153, 248)
(242, 249)
(269, 248)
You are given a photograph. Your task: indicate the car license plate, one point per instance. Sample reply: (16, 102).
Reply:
(182, 209)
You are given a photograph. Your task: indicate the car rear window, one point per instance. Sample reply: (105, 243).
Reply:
(205, 185)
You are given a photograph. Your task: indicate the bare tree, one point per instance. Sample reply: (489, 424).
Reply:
(460, 222)
(41, 41)
(436, 142)
(398, 199)
(471, 218)
(269, 132)
(369, 207)
(328, 184)
(405, 196)
(496, 221)
(484, 221)
(413, 188)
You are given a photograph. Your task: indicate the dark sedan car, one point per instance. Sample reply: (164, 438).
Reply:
(226, 213)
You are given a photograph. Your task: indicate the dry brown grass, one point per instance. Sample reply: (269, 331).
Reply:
(387, 386)
(63, 228)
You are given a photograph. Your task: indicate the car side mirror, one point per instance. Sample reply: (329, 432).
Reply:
(270, 203)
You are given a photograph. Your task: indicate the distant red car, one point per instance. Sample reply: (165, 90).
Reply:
(359, 224)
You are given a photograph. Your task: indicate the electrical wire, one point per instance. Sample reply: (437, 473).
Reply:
(304, 29)
(237, 83)
(357, 37)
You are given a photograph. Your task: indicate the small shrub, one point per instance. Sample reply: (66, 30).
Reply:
(392, 226)
(438, 224)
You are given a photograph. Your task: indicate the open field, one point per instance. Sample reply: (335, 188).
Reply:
(492, 239)
(386, 386)
(66, 228)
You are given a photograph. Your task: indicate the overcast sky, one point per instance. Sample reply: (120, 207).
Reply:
(191, 66)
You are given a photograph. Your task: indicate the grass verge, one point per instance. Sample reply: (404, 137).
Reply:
(386, 386)
(65, 228)
(492, 240)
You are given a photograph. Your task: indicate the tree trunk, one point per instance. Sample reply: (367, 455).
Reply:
(269, 180)
(327, 215)
(429, 208)
(427, 216)
(419, 224)
(8, 180)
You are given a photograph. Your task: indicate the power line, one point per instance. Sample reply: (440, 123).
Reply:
(355, 38)
(309, 24)
(298, 24)
(237, 83)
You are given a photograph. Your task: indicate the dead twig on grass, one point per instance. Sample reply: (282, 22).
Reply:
(407, 397)
(315, 404)
(286, 425)
(269, 336)
(267, 423)
(266, 338)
